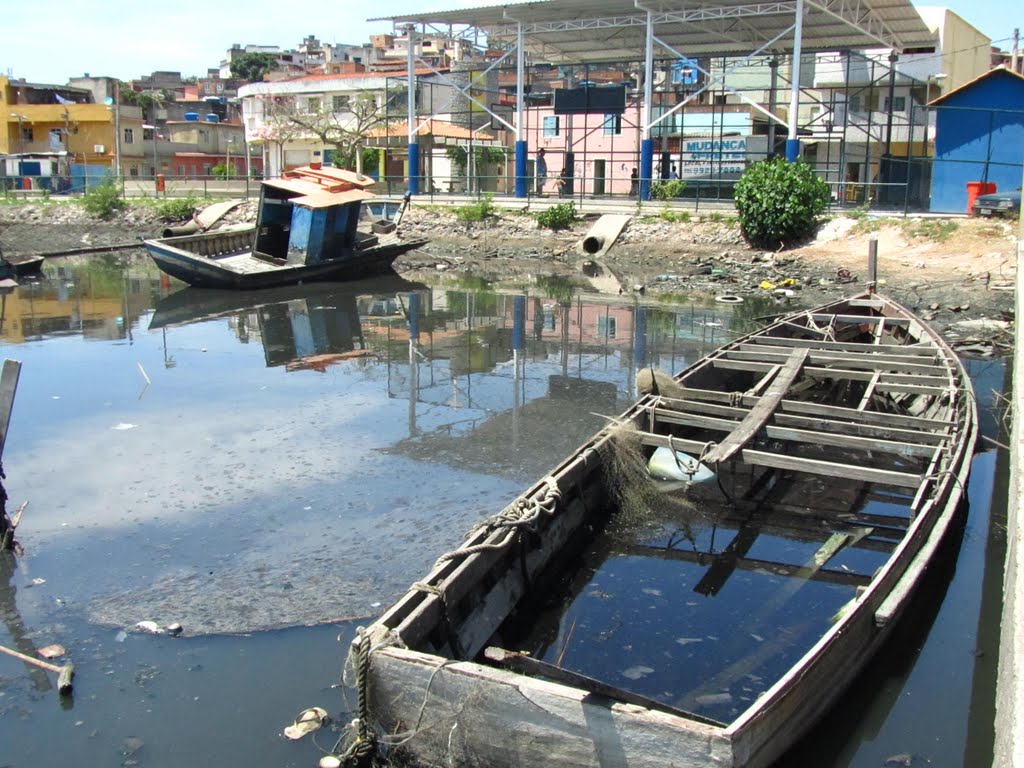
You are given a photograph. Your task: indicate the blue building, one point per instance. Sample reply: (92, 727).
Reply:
(979, 137)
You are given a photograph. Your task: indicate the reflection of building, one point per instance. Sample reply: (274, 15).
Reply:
(74, 304)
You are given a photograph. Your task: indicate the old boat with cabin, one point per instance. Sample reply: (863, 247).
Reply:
(811, 468)
(307, 228)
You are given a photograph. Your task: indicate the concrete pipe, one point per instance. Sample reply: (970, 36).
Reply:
(592, 244)
(185, 229)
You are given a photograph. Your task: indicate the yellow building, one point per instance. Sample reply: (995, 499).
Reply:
(49, 130)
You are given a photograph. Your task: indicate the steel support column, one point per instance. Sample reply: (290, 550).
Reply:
(647, 143)
(522, 185)
(410, 107)
(792, 142)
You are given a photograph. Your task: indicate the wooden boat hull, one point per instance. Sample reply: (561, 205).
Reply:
(433, 690)
(222, 259)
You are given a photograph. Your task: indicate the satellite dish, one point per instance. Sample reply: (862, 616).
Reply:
(108, 101)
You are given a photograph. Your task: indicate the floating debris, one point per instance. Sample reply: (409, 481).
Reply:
(309, 720)
(148, 626)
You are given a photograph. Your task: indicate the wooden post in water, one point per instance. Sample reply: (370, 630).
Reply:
(8, 386)
(872, 264)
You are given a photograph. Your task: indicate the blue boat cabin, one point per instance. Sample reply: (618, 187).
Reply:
(310, 215)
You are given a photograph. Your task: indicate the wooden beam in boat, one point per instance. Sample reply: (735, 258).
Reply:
(832, 469)
(929, 385)
(528, 665)
(761, 412)
(714, 416)
(911, 351)
(724, 563)
(860, 319)
(869, 391)
(869, 361)
(799, 408)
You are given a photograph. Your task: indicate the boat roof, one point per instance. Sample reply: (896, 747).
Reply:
(323, 187)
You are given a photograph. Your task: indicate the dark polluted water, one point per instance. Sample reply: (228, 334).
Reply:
(272, 469)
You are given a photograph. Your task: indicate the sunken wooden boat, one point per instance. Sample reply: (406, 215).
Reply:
(307, 229)
(841, 435)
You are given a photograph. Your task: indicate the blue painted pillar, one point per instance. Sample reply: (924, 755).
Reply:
(414, 169)
(522, 183)
(646, 168)
(792, 150)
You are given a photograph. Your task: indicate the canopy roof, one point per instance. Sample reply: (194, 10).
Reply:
(614, 30)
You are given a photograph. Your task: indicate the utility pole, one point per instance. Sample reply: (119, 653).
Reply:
(1015, 55)
(117, 130)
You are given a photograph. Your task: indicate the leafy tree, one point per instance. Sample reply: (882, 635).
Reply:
(778, 202)
(252, 66)
(343, 131)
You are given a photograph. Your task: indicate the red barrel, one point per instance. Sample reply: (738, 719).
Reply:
(159, 182)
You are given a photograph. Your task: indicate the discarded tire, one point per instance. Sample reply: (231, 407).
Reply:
(729, 298)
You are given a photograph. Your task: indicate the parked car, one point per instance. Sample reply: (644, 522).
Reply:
(997, 204)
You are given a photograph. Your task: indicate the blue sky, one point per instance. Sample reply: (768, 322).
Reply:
(51, 41)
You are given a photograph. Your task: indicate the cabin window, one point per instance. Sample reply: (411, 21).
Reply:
(129, 135)
(550, 125)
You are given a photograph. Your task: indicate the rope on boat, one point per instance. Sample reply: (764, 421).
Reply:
(522, 513)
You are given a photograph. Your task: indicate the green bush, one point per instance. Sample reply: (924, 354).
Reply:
(104, 200)
(477, 211)
(779, 202)
(667, 189)
(559, 216)
(175, 208)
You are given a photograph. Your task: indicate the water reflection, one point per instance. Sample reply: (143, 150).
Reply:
(270, 477)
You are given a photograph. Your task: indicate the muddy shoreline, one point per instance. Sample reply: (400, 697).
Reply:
(957, 275)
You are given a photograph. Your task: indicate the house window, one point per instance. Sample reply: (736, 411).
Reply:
(339, 103)
(181, 170)
(206, 169)
(720, 100)
(612, 125)
(133, 171)
(204, 136)
(550, 124)
(313, 104)
(899, 104)
(855, 103)
(129, 135)
(606, 327)
(26, 133)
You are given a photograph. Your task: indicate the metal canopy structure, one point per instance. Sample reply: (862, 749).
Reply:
(585, 31)
(592, 31)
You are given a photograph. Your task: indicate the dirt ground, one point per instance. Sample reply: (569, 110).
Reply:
(957, 273)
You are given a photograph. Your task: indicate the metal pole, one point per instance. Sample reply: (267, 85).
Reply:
(792, 142)
(521, 144)
(646, 143)
(117, 130)
(410, 107)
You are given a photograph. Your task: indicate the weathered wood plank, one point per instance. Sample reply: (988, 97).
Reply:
(917, 350)
(761, 412)
(831, 468)
(930, 385)
(856, 362)
(800, 407)
(527, 665)
(8, 388)
(669, 409)
(836, 436)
